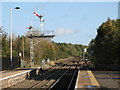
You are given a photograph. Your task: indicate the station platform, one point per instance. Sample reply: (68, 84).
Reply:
(7, 73)
(86, 80)
(96, 79)
(12, 77)
(108, 79)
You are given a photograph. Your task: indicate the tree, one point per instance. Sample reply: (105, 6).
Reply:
(105, 45)
(5, 46)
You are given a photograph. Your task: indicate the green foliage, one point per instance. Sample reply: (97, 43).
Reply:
(104, 48)
(5, 47)
(43, 50)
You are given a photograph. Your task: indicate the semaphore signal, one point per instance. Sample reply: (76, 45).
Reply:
(39, 16)
(35, 37)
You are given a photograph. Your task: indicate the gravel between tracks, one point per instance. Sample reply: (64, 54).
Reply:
(60, 69)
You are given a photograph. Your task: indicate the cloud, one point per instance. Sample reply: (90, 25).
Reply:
(64, 32)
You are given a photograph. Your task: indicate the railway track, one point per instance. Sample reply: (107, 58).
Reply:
(57, 76)
(47, 79)
(66, 81)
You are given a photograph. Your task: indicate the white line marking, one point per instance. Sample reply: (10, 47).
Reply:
(14, 75)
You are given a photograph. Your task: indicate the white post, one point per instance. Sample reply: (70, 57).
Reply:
(11, 37)
(84, 53)
(30, 22)
(48, 61)
(23, 46)
(42, 26)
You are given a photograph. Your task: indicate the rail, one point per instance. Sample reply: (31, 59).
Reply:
(39, 84)
(71, 72)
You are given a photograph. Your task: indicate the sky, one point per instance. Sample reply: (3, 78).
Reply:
(73, 22)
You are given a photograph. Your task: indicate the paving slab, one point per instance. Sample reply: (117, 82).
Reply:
(86, 80)
(108, 79)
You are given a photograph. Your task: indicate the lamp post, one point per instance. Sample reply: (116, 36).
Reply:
(11, 36)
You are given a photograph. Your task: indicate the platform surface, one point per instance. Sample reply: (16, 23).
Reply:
(87, 79)
(108, 79)
(11, 73)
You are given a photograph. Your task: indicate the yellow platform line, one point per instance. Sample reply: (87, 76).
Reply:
(93, 80)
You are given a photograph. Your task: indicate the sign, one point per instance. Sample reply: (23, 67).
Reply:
(20, 54)
(85, 50)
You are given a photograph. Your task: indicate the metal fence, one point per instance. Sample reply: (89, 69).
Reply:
(6, 63)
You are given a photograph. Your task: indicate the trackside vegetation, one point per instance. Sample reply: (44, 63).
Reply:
(104, 48)
(43, 50)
